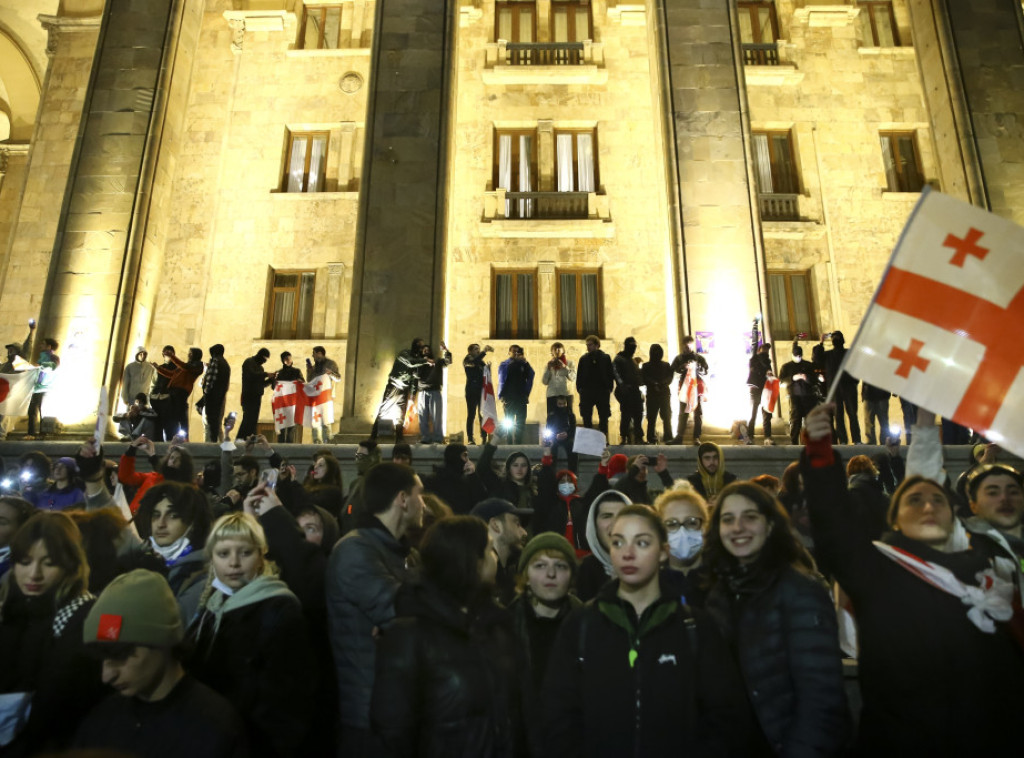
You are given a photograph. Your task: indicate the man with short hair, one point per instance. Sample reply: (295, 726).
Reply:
(693, 363)
(216, 381)
(254, 381)
(474, 364)
(401, 383)
(289, 373)
(157, 710)
(367, 456)
(798, 377)
(366, 569)
(627, 392)
(49, 362)
(507, 539)
(401, 454)
(594, 382)
(245, 474)
(322, 366)
(997, 502)
(430, 380)
(710, 476)
(515, 382)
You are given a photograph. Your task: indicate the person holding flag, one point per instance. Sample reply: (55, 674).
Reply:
(757, 378)
(693, 370)
(474, 365)
(286, 388)
(16, 388)
(325, 367)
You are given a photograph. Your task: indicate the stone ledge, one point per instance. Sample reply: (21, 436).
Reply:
(904, 51)
(315, 195)
(345, 52)
(792, 230)
(783, 74)
(588, 228)
(586, 74)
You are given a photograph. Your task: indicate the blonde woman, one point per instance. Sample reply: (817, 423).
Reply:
(685, 516)
(250, 641)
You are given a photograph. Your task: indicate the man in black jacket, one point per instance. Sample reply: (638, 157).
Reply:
(656, 375)
(627, 392)
(797, 377)
(683, 362)
(846, 392)
(474, 364)
(288, 373)
(215, 393)
(594, 382)
(760, 369)
(401, 383)
(254, 380)
(876, 409)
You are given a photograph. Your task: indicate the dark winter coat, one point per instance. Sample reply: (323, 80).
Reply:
(594, 376)
(933, 684)
(760, 364)
(680, 361)
(456, 488)
(625, 371)
(553, 512)
(520, 495)
(254, 379)
(657, 374)
(192, 721)
(798, 387)
(259, 659)
(782, 628)
(682, 695)
(447, 681)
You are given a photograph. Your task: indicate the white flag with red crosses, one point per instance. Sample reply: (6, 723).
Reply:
(946, 327)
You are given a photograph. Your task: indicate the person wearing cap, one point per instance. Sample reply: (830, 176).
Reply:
(157, 709)
(254, 381)
(798, 377)
(997, 502)
(65, 491)
(507, 537)
(15, 351)
(215, 393)
(546, 574)
(710, 476)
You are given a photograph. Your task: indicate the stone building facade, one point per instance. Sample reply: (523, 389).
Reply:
(356, 173)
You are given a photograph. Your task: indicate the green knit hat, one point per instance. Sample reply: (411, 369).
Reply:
(137, 608)
(547, 541)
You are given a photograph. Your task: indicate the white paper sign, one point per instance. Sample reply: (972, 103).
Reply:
(589, 442)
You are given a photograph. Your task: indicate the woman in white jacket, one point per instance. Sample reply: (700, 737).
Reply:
(559, 376)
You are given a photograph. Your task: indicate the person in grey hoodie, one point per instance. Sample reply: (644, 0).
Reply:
(596, 569)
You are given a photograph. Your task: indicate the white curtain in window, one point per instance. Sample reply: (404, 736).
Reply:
(284, 310)
(524, 320)
(563, 159)
(889, 159)
(763, 164)
(778, 308)
(505, 167)
(585, 158)
(582, 24)
(304, 324)
(298, 164)
(503, 305)
(801, 304)
(525, 153)
(525, 25)
(561, 24)
(317, 164)
(590, 304)
(567, 305)
(505, 24)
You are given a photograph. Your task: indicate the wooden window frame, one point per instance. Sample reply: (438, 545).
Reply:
(751, 8)
(579, 273)
(789, 331)
(291, 136)
(515, 134)
(273, 291)
(874, 6)
(322, 9)
(773, 160)
(575, 155)
(514, 273)
(894, 137)
(501, 4)
(572, 5)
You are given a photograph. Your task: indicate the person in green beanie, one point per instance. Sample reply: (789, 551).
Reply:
(157, 709)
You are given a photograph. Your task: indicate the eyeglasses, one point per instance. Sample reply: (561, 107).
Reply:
(691, 524)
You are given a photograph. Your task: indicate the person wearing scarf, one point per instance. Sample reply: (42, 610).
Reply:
(250, 641)
(710, 476)
(174, 520)
(936, 611)
(559, 374)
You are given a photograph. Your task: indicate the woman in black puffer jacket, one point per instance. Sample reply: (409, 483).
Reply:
(447, 680)
(775, 611)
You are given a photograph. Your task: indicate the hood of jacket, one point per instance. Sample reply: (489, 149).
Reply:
(599, 550)
(657, 352)
(259, 589)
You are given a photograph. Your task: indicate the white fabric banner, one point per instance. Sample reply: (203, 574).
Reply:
(16, 392)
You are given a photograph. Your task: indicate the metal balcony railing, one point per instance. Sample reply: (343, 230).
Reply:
(761, 55)
(779, 207)
(546, 205)
(544, 53)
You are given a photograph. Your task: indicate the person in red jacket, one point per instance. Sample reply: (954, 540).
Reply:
(176, 466)
(181, 379)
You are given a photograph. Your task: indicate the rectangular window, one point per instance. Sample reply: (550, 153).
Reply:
(306, 163)
(515, 169)
(902, 165)
(759, 31)
(515, 21)
(321, 27)
(579, 304)
(290, 305)
(789, 304)
(571, 21)
(575, 162)
(878, 24)
(515, 305)
(774, 164)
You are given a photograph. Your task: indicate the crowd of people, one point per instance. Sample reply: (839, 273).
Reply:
(508, 608)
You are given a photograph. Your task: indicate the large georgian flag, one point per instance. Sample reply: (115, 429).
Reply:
(287, 403)
(318, 402)
(488, 404)
(946, 327)
(16, 391)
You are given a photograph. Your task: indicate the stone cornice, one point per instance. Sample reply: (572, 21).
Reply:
(54, 25)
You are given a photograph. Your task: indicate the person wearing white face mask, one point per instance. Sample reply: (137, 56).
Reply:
(798, 378)
(685, 516)
(557, 507)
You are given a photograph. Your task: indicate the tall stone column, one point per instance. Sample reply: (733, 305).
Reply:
(716, 214)
(90, 281)
(398, 275)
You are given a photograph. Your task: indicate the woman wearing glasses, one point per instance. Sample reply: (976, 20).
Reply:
(685, 515)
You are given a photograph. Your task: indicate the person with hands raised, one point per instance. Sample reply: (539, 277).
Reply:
(940, 648)
(176, 466)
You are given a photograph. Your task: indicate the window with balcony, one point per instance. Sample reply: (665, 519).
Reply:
(306, 162)
(759, 32)
(878, 24)
(902, 164)
(321, 27)
(516, 21)
(571, 21)
(515, 170)
(579, 303)
(514, 294)
(778, 186)
(289, 313)
(790, 306)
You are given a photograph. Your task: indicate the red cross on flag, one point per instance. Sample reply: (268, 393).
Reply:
(287, 398)
(488, 404)
(946, 325)
(318, 402)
